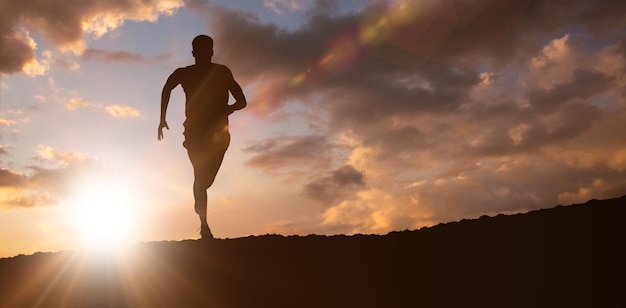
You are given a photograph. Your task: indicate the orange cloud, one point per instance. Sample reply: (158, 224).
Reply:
(5, 122)
(65, 25)
(76, 102)
(123, 111)
(57, 174)
(114, 110)
(376, 211)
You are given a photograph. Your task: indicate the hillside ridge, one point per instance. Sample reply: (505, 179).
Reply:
(559, 257)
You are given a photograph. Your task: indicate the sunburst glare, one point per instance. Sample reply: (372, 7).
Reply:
(104, 213)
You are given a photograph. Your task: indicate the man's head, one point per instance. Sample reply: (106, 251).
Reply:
(202, 47)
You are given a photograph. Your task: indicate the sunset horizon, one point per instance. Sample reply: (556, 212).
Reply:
(363, 117)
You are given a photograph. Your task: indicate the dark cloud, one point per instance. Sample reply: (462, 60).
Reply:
(326, 56)
(347, 175)
(282, 152)
(14, 51)
(10, 178)
(64, 24)
(534, 132)
(63, 173)
(336, 185)
(367, 93)
(257, 51)
(540, 20)
(585, 84)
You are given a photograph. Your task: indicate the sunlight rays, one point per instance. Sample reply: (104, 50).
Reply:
(104, 213)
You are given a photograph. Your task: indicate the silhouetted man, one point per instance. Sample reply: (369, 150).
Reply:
(207, 86)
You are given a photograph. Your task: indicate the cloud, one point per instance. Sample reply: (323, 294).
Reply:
(13, 192)
(56, 177)
(377, 211)
(13, 117)
(335, 185)
(9, 178)
(114, 110)
(5, 122)
(39, 67)
(49, 154)
(76, 103)
(470, 192)
(120, 56)
(453, 109)
(16, 50)
(331, 60)
(65, 25)
(27, 61)
(279, 6)
(329, 52)
(280, 152)
(449, 109)
(123, 111)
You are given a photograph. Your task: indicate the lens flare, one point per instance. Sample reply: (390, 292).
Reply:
(342, 53)
(104, 213)
(407, 32)
(298, 79)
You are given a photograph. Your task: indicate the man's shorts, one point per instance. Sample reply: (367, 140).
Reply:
(206, 152)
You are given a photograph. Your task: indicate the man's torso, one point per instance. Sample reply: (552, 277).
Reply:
(207, 91)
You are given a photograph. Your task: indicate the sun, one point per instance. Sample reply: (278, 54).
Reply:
(104, 213)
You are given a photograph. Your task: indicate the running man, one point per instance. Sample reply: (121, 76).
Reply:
(207, 86)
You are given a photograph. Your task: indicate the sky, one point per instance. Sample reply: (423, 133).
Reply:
(363, 116)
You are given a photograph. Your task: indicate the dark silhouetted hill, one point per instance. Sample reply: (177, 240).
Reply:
(567, 256)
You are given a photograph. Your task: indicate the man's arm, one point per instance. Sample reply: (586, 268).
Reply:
(170, 84)
(240, 98)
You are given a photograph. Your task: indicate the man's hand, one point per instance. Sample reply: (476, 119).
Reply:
(162, 125)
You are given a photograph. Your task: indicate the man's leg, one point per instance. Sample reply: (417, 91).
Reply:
(200, 198)
(206, 164)
(204, 178)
